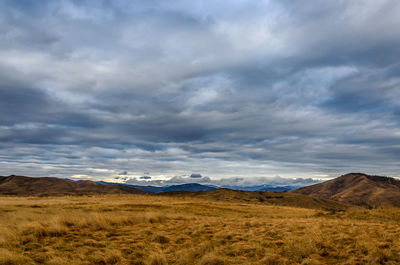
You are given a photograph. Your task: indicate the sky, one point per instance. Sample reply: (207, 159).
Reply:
(233, 92)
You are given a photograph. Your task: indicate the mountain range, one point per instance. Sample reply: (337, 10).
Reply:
(23, 185)
(195, 187)
(28, 186)
(351, 189)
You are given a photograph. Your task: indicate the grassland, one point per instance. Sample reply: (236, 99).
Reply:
(144, 229)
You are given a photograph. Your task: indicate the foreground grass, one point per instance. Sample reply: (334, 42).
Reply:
(138, 229)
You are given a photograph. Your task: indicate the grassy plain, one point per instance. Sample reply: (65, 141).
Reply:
(144, 229)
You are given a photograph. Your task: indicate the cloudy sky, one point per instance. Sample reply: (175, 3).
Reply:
(232, 90)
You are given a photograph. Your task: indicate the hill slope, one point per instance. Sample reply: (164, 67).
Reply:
(21, 185)
(271, 198)
(357, 189)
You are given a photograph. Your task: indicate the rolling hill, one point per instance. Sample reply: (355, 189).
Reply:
(24, 186)
(265, 187)
(357, 189)
(271, 198)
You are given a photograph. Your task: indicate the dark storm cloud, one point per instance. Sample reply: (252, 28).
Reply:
(21, 102)
(231, 89)
(372, 91)
(196, 176)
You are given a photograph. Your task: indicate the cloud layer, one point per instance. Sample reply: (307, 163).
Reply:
(229, 89)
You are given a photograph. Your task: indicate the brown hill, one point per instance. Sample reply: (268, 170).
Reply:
(272, 198)
(357, 189)
(24, 186)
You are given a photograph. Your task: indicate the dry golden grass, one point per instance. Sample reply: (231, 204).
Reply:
(139, 229)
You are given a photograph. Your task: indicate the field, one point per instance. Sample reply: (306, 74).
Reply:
(144, 229)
